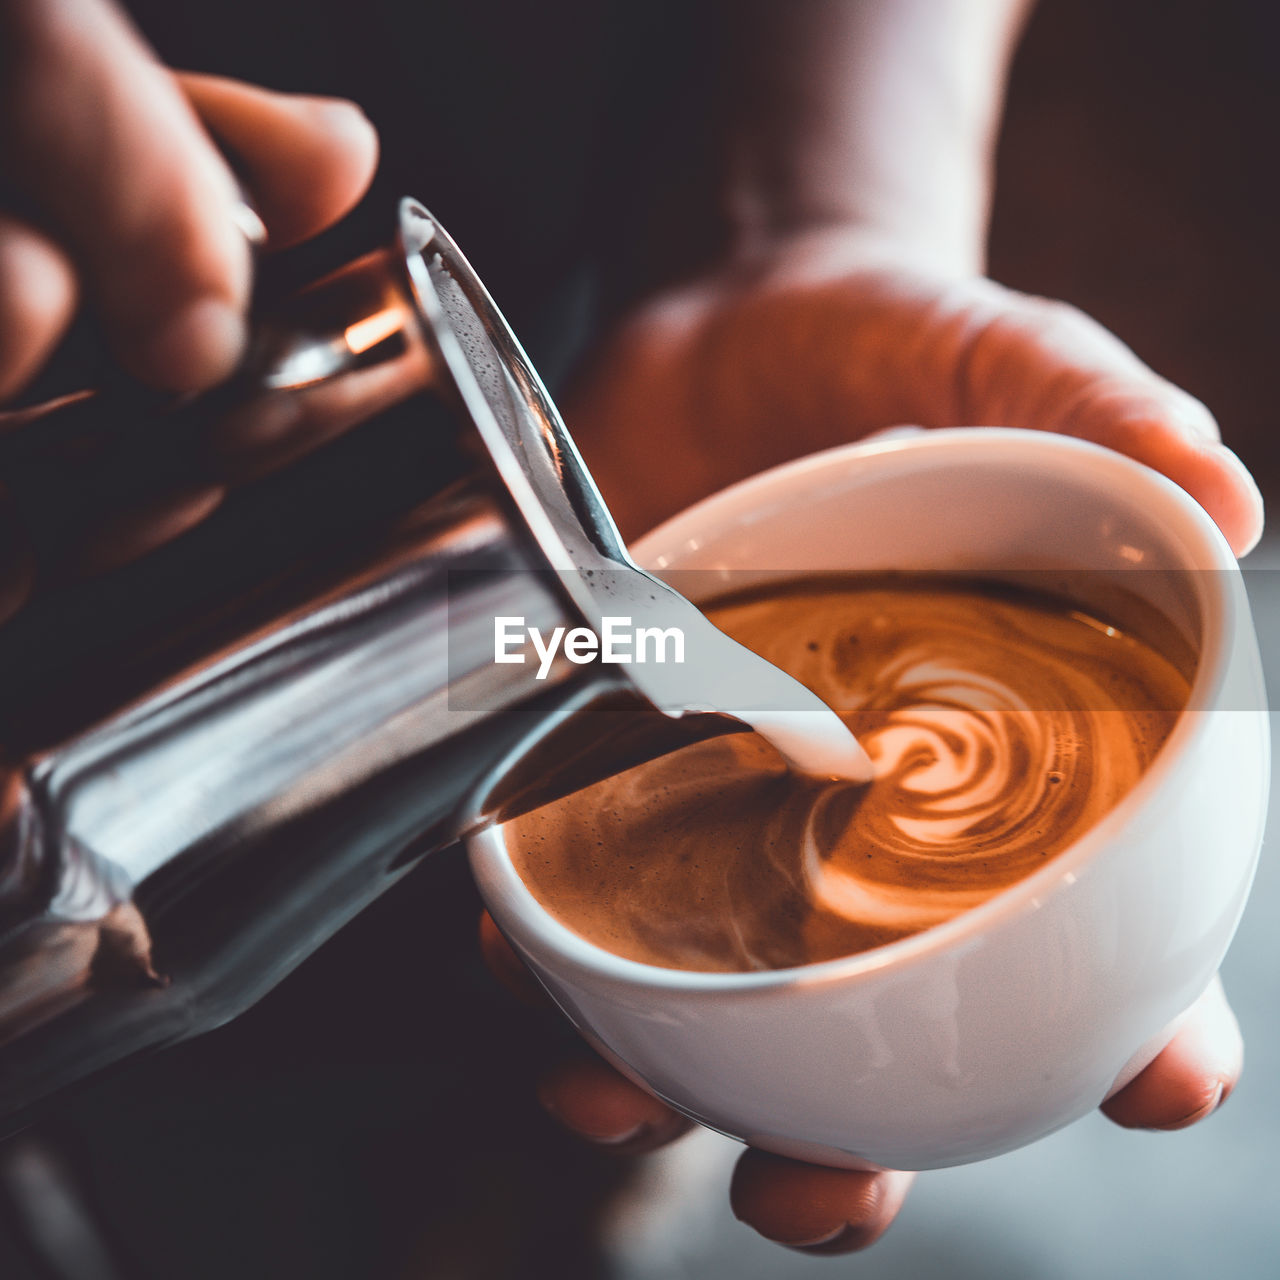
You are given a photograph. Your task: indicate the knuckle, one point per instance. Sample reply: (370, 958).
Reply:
(38, 291)
(36, 279)
(176, 249)
(41, 45)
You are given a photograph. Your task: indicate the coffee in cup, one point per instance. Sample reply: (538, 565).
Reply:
(1004, 722)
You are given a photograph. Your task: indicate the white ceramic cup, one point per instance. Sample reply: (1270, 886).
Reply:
(1016, 1017)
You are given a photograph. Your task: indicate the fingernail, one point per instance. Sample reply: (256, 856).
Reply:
(339, 116)
(834, 1242)
(613, 1139)
(600, 1139)
(198, 347)
(1198, 1114)
(1250, 486)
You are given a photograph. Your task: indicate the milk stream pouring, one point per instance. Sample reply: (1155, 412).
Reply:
(248, 663)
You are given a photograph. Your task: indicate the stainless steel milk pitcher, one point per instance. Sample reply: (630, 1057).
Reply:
(235, 632)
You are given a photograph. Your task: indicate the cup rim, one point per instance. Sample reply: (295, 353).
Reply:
(1205, 545)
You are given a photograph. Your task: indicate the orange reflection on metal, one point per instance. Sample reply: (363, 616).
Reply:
(547, 432)
(373, 329)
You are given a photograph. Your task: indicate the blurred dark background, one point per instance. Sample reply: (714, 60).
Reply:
(373, 1118)
(1137, 179)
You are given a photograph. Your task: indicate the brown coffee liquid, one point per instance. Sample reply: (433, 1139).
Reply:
(1002, 723)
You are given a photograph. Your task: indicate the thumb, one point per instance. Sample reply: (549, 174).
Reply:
(1040, 364)
(306, 160)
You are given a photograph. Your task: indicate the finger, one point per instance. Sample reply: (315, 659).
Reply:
(1045, 365)
(585, 1094)
(101, 141)
(37, 301)
(813, 1209)
(507, 967)
(593, 1101)
(1192, 1077)
(305, 160)
(128, 535)
(1176, 435)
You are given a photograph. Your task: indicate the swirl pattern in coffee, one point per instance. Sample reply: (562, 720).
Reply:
(1003, 725)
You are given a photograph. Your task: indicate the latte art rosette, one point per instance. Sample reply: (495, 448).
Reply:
(973, 788)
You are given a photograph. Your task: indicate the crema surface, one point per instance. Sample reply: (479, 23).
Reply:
(1002, 724)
